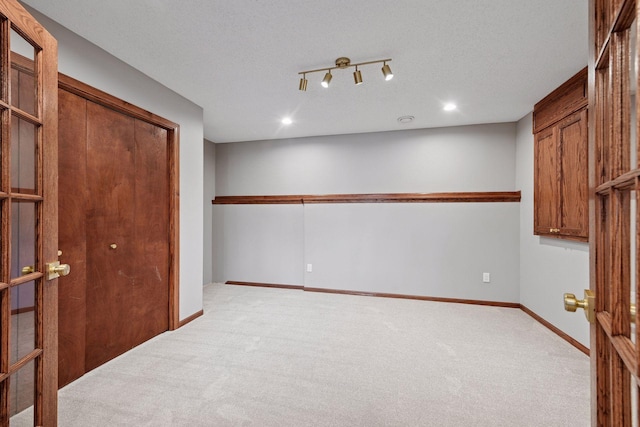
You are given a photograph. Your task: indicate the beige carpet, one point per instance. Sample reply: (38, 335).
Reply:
(273, 357)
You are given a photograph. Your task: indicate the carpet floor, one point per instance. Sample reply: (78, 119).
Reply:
(274, 357)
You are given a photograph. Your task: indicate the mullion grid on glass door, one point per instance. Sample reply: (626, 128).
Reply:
(5, 238)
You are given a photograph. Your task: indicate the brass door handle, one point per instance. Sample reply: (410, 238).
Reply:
(55, 270)
(27, 270)
(588, 304)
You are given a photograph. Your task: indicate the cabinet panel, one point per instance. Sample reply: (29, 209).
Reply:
(561, 167)
(546, 189)
(574, 210)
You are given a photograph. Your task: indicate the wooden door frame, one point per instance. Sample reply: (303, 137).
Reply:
(46, 158)
(612, 178)
(92, 94)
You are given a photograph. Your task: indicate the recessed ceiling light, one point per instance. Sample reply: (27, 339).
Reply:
(287, 121)
(405, 119)
(449, 107)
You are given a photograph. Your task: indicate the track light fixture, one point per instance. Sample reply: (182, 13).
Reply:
(327, 79)
(357, 76)
(303, 83)
(386, 71)
(343, 63)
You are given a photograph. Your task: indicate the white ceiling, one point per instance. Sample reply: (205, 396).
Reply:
(239, 59)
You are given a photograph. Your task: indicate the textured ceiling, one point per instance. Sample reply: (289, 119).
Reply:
(239, 59)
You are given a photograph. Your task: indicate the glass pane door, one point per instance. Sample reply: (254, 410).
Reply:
(28, 219)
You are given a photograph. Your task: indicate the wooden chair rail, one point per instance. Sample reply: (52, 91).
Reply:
(462, 197)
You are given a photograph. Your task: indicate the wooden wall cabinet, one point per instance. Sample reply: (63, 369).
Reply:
(560, 162)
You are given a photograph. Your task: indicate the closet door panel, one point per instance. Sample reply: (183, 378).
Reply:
(111, 263)
(150, 295)
(72, 204)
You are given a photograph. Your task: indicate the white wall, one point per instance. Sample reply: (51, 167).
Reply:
(548, 267)
(431, 249)
(259, 243)
(86, 62)
(464, 158)
(209, 160)
(438, 249)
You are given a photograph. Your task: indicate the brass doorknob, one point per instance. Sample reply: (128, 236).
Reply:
(28, 270)
(55, 270)
(62, 269)
(571, 303)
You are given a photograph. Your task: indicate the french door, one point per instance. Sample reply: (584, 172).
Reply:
(28, 220)
(614, 178)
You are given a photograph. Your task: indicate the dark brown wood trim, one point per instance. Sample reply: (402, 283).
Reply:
(258, 200)
(22, 310)
(22, 363)
(103, 98)
(20, 280)
(461, 197)
(27, 193)
(555, 330)
(27, 197)
(173, 137)
(22, 63)
(573, 96)
(264, 285)
(90, 93)
(375, 294)
(626, 181)
(191, 318)
(415, 297)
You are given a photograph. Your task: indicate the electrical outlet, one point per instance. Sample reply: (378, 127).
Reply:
(486, 277)
(309, 268)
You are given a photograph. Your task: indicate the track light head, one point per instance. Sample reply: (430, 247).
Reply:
(326, 80)
(303, 84)
(386, 70)
(357, 76)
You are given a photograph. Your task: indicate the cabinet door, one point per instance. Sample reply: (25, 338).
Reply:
(546, 188)
(573, 217)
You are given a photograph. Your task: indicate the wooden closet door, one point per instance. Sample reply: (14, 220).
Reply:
(72, 231)
(151, 230)
(115, 226)
(111, 246)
